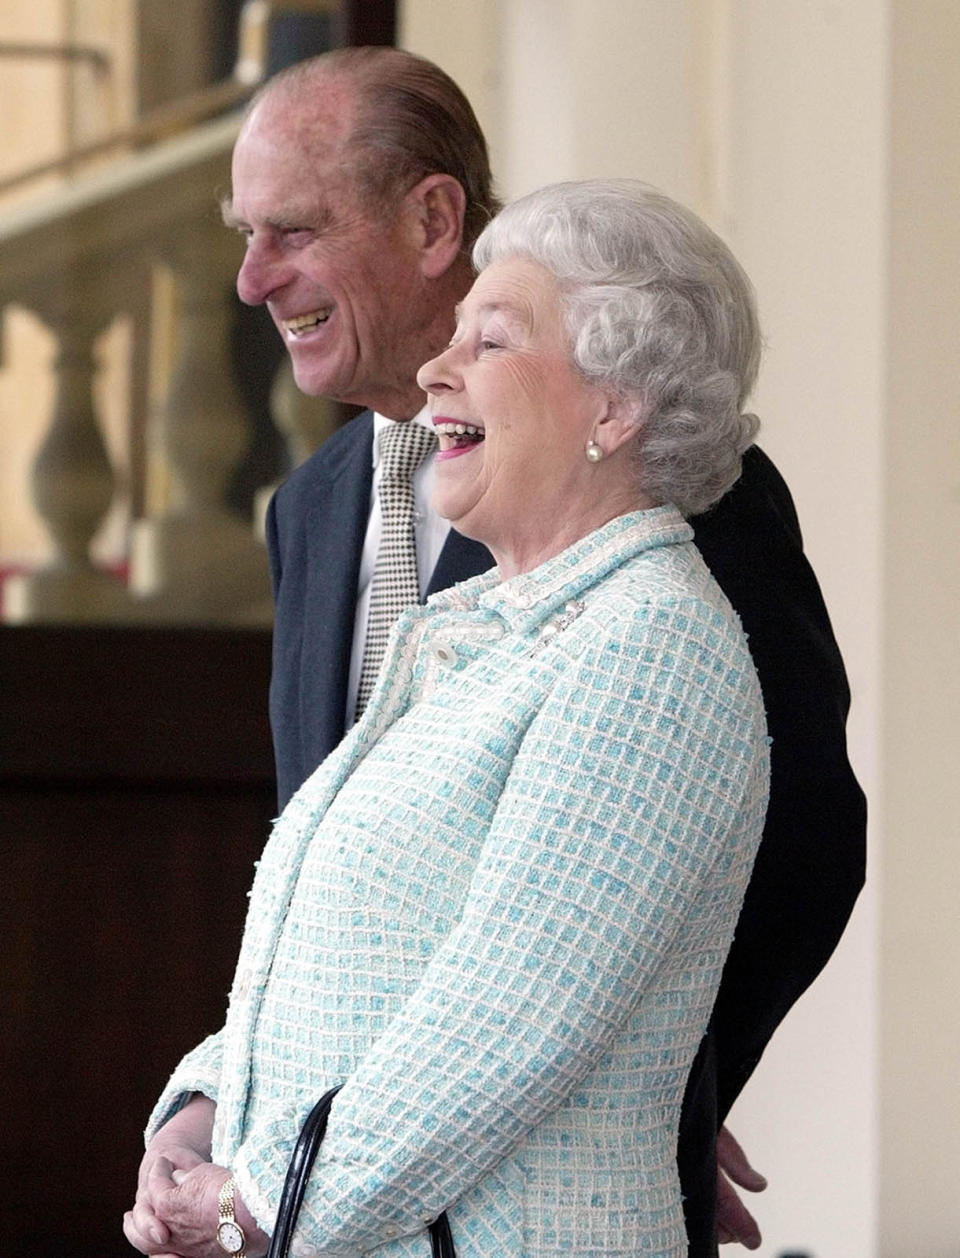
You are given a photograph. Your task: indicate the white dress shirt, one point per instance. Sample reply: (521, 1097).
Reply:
(430, 533)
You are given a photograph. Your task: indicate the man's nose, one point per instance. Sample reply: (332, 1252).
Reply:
(257, 277)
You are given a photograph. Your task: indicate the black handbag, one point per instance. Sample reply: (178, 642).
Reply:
(295, 1185)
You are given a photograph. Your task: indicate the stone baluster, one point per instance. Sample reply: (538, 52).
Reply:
(72, 481)
(304, 423)
(191, 560)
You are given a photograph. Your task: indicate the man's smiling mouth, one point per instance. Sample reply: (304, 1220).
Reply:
(299, 325)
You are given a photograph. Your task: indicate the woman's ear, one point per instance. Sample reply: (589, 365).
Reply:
(438, 204)
(619, 425)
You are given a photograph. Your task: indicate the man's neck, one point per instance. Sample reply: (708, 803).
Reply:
(396, 407)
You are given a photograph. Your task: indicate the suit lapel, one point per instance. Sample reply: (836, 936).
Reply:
(460, 559)
(336, 525)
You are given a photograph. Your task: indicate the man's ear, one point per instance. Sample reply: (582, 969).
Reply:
(438, 204)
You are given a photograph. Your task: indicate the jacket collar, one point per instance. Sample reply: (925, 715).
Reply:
(524, 600)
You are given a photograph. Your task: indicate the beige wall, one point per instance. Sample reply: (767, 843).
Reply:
(920, 1046)
(820, 139)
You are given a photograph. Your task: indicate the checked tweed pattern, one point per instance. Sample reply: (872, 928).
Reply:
(395, 585)
(503, 923)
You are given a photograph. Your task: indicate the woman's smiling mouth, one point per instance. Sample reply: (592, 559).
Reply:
(456, 436)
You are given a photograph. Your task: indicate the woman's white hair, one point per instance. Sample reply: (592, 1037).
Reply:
(659, 311)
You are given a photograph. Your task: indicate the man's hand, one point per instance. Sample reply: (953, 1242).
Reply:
(735, 1223)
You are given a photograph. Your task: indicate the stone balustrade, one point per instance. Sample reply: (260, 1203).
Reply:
(77, 258)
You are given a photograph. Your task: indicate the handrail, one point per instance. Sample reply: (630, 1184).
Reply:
(146, 194)
(99, 59)
(160, 124)
(249, 71)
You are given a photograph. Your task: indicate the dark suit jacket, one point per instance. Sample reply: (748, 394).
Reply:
(811, 861)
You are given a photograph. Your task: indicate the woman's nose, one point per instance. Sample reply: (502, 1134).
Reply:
(438, 375)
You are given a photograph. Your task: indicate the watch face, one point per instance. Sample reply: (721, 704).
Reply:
(230, 1237)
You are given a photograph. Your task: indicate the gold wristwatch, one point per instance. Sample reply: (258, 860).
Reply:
(230, 1235)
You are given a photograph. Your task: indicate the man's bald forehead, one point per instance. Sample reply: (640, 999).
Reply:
(315, 117)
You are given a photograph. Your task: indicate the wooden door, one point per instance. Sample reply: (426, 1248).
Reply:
(136, 791)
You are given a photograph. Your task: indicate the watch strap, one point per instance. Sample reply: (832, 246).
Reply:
(227, 1212)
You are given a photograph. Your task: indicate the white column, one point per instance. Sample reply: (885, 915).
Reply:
(599, 87)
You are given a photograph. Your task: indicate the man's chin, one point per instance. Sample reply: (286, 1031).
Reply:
(314, 380)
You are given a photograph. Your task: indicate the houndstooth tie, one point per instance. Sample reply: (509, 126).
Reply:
(395, 584)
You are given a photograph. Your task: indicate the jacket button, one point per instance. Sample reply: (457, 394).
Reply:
(445, 653)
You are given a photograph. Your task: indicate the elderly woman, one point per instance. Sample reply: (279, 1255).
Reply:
(498, 913)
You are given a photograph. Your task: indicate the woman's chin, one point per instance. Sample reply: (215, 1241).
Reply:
(452, 502)
(461, 518)
(456, 516)
(464, 495)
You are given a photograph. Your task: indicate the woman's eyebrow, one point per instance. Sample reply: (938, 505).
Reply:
(509, 308)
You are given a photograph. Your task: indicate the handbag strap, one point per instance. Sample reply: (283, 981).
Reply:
(441, 1238)
(295, 1186)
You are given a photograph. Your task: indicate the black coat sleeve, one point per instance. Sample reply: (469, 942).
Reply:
(811, 862)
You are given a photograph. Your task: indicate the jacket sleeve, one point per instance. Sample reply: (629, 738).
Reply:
(646, 757)
(199, 1071)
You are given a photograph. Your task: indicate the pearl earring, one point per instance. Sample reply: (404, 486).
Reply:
(594, 452)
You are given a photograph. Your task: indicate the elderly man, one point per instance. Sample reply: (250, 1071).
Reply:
(360, 180)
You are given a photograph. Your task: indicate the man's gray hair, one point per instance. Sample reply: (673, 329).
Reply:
(659, 311)
(411, 120)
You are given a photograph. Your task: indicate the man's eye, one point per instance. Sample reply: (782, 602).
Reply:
(486, 343)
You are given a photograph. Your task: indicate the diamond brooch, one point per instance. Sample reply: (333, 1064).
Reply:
(556, 624)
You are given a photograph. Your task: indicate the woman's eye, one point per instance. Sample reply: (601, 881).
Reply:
(486, 343)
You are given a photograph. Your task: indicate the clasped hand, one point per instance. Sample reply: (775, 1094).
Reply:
(176, 1214)
(176, 1211)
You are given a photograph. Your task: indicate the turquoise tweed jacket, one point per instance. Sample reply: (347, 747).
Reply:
(498, 913)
